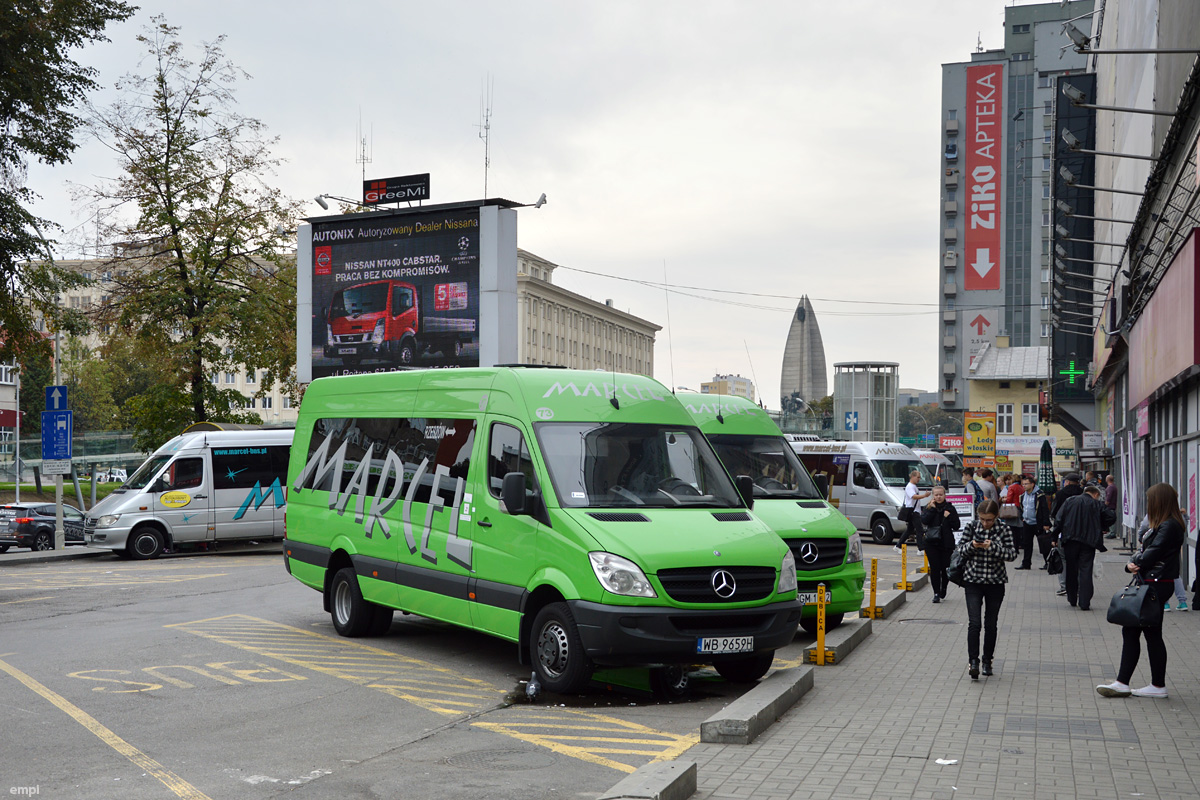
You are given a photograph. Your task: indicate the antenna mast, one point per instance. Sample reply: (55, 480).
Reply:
(363, 151)
(485, 128)
(670, 338)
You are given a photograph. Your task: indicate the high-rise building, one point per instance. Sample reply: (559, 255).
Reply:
(804, 377)
(735, 385)
(998, 139)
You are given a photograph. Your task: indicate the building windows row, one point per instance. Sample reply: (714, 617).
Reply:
(1005, 420)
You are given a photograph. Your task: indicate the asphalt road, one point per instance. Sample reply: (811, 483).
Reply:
(218, 675)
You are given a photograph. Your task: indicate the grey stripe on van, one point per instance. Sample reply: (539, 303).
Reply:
(499, 595)
(307, 553)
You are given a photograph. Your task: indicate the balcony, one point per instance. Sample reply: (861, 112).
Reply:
(952, 151)
(952, 127)
(949, 316)
(951, 178)
(950, 289)
(950, 234)
(950, 208)
(949, 342)
(949, 397)
(949, 369)
(950, 260)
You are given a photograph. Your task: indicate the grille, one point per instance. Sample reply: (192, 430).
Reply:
(830, 553)
(618, 516)
(89, 524)
(721, 624)
(810, 503)
(350, 338)
(694, 584)
(731, 516)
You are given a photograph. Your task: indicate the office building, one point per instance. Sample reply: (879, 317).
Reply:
(734, 385)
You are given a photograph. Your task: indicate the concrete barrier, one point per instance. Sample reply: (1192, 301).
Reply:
(886, 604)
(744, 719)
(916, 581)
(842, 640)
(664, 780)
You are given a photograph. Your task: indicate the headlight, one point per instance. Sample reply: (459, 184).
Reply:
(329, 334)
(622, 576)
(107, 521)
(787, 574)
(855, 549)
(377, 334)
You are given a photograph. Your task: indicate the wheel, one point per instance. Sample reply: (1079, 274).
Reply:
(407, 353)
(4, 548)
(881, 531)
(557, 651)
(670, 682)
(831, 621)
(458, 348)
(746, 670)
(352, 615)
(144, 544)
(43, 540)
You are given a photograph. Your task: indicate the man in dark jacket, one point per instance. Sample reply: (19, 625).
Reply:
(1034, 510)
(1071, 488)
(1081, 521)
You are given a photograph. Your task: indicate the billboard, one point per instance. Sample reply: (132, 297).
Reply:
(979, 438)
(395, 291)
(982, 201)
(949, 442)
(404, 188)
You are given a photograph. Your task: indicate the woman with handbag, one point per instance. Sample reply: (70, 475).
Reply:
(985, 545)
(941, 521)
(1157, 564)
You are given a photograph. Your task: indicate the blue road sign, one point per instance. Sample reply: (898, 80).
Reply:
(851, 420)
(56, 398)
(56, 435)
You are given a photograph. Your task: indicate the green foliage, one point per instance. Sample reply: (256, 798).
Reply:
(37, 372)
(209, 280)
(916, 420)
(39, 85)
(163, 412)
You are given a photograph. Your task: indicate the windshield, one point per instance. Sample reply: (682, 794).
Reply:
(894, 471)
(146, 472)
(950, 475)
(359, 300)
(605, 464)
(770, 461)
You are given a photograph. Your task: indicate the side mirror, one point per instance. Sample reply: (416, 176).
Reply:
(870, 483)
(822, 482)
(512, 493)
(745, 487)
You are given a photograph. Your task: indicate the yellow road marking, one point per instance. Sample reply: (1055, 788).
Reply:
(29, 600)
(100, 581)
(176, 784)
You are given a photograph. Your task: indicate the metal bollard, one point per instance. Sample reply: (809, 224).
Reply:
(904, 583)
(821, 656)
(873, 611)
(924, 568)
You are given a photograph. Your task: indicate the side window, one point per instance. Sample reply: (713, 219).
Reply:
(184, 473)
(862, 474)
(242, 467)
(401, 299)
(507, 453)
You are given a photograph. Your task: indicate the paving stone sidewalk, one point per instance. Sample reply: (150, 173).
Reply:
(875, 726)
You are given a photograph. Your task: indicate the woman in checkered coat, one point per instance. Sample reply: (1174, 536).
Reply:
(986, 544)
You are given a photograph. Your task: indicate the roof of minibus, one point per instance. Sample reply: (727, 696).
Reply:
(737, 415)
(199, 439)
(530, 393)
(868, 449)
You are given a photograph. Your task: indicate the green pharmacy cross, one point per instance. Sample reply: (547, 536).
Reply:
(1071, 372)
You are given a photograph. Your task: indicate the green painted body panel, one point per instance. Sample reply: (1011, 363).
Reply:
(308, 574)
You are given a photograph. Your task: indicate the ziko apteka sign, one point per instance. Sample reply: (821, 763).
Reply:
(395, 291)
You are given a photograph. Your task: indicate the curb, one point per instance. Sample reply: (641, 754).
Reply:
(744, 719)
(44, 556)
(919, 580)
(842, 640)
(665, 780)
(888, 603)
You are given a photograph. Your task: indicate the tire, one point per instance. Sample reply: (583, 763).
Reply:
(4, 548)
(406, 354)
(746, 670)
(670, 682)
(458, 348)
(43, 540)
(881, 531)
(831, 621)
(556, 651)
(352, 615)
(144, 544)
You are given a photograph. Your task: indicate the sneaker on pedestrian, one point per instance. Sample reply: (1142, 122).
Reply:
(1183, 606)
(936, 599)
(1061, 592)
(1159, 692)
(897, 550)
(1166, 606)
(1115, 689)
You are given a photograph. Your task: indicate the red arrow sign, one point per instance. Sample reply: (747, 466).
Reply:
(979, 323)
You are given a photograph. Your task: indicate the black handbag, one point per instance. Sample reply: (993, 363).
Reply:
(957, 568)
(904, 514)
(933, 536)
(1136, 606)
(1055, 562)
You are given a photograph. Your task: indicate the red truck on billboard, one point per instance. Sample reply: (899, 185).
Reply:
(385, 320)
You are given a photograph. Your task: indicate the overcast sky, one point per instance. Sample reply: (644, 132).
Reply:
(780, 148)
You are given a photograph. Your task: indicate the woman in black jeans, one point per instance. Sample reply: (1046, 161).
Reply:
(1158, 564)
(941, 521)
(986, 544)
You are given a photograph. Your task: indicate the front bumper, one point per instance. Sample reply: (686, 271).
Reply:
(113, 538)
(633, 635)
(845, 588)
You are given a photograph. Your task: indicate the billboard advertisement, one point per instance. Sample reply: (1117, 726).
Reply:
(950, 442)
(982, 201)
(394, 291)
(979, 438)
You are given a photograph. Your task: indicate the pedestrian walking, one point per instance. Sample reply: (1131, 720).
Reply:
(986, 544)
(973, 486)
(1013, 491)
(1034, 520)
(1081, 523)
(941, 521)
(912, 500)
(988, 486)
(1158, 564)
(1110, 500)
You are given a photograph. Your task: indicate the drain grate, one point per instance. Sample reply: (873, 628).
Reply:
(511, 759)
(929, 621)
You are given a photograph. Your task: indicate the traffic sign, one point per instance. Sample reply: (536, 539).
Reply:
(56, 466)
(851, 420)
(908, 440)
(56, 398)
(56, 435)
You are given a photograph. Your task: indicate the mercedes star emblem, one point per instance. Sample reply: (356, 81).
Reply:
(723, 583)
(808, 552)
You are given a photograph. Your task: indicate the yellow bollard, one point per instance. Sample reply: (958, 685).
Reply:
(821, 656)
(873, 611)
(904, 583)
(926, 567)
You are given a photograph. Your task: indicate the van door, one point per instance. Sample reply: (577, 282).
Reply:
(863, 494)
(506, 546)
(248, 491)
(182, 499)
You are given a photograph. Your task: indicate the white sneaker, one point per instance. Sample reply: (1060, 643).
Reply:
(1116, 689)
(1159, 692)
(897, 550)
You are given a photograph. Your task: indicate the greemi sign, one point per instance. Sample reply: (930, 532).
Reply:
(985, 85)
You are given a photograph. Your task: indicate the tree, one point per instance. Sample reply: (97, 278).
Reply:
(919, 420)
(202, 269)
(37, 372)
(39, 85)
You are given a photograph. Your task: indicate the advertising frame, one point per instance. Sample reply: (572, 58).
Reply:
(979, 443)
(982, 184)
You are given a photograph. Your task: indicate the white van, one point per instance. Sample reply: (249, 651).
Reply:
(865, 481)
(946, 473)
(213, 486)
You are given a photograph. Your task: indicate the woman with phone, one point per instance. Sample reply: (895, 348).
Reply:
(941, 521)
(986, 544)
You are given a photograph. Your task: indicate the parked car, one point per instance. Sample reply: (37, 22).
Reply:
(32, 525)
